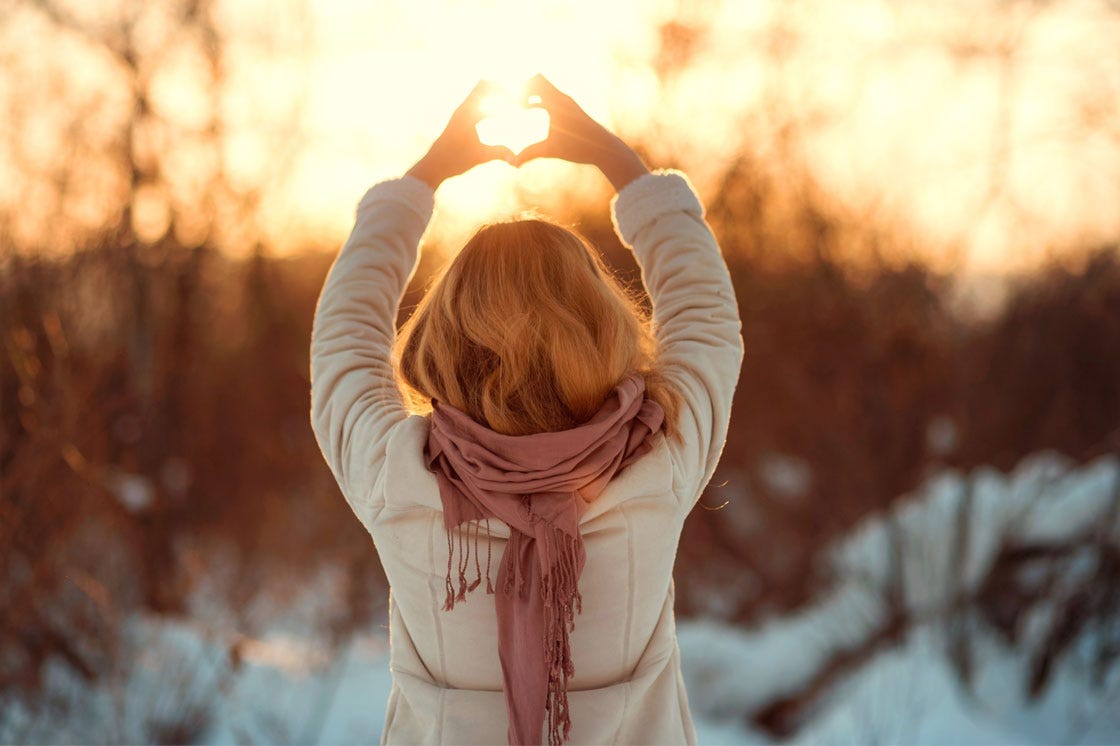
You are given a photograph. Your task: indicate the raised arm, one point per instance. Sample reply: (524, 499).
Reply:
(354, 398)
(695, 312)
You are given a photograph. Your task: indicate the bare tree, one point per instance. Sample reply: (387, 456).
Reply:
(107, 112)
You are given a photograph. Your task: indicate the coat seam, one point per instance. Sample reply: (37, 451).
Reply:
(435, 606)
(630, 580)
(625, 713)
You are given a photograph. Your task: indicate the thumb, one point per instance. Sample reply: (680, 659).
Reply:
(499, 153)
(536, 150)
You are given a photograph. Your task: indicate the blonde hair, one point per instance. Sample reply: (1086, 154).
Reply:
(527, 331)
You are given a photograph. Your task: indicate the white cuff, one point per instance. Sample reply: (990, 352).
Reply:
(650, 196)
(408, 191)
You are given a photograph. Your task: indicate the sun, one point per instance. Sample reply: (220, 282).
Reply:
(512, 118)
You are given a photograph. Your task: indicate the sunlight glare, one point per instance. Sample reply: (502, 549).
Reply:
(908, 116)
(510, 119)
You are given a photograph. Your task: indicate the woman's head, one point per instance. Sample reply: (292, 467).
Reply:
(527, 331)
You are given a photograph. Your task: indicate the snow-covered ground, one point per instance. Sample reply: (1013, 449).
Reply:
(910, 695)
(200, 683)
(285, 691)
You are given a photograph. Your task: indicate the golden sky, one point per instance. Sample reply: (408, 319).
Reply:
(988, 130)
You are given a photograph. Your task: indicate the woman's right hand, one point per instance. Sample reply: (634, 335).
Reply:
(575, 137)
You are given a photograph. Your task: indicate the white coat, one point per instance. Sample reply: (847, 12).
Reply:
(446, 678)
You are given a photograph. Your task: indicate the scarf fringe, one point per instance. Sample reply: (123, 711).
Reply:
(564, 555)
(561, 560)
(463, 564)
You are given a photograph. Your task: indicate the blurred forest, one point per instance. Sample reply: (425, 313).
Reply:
(154, 387)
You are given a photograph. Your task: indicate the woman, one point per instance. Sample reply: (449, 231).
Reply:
(528, 417)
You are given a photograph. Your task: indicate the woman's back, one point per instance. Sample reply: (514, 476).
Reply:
(630, 534)
(448, 683)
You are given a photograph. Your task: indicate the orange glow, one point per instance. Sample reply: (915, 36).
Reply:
(904, 113)
(383, 97)
(510, 121)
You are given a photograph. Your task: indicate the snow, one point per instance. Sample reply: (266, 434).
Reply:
(134, 491)
(284, 691)
(304, 701)
(789, 650)
(909, 694)
(942, 435)
(187, 682)
(787, 477)
(1043, 502)
(292, 680)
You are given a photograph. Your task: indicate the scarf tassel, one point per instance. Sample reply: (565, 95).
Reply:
(562, 601)
(463, 564)
(561, 561)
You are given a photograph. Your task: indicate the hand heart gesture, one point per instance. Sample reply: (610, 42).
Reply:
(543, 122)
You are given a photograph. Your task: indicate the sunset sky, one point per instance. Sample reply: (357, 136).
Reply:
(988, 127)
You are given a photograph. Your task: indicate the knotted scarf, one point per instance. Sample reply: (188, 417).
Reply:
(539, 485)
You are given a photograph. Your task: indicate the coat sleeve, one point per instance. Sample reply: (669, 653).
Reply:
(354, 398)
(695, 315)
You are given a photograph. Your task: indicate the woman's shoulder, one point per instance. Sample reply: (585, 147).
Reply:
(648, 480)
(407, 482)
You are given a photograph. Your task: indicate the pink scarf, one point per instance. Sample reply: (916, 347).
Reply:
(539, 485)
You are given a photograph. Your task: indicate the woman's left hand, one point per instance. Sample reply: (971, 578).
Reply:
(458, 149)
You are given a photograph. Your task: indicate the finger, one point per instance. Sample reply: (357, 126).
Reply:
(469, 108)
(540, 86)
(498, 153)
(540, 83)
(481, 89)
(536, 150)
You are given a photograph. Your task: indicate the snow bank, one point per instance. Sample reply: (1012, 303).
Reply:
(1045, 501)
(185, 681)
(909, 695)
(951, 530)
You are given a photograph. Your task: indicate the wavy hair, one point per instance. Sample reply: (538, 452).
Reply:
(527, 331)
